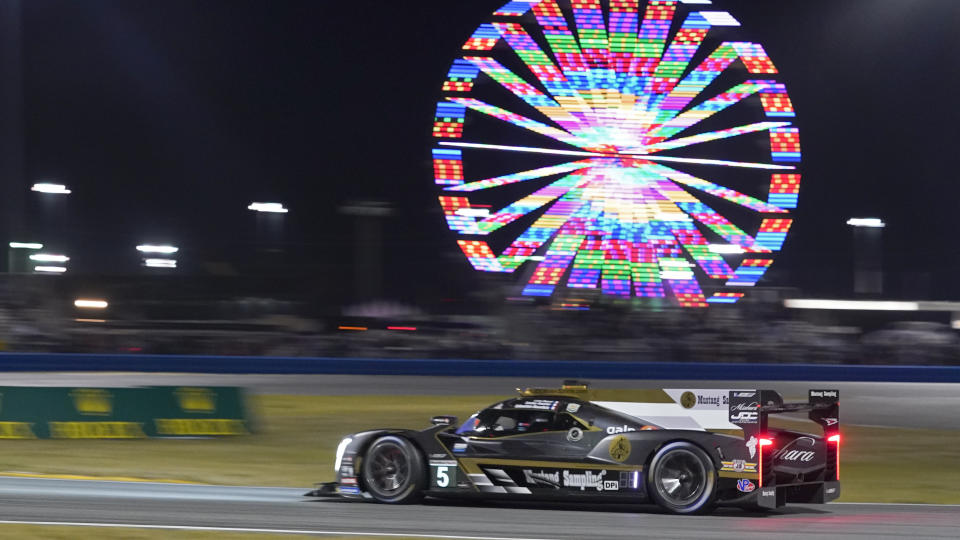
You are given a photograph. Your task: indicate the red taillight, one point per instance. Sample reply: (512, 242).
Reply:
(761, 443)
(835, 438)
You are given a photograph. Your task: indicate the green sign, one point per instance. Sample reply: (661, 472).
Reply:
(121, 413)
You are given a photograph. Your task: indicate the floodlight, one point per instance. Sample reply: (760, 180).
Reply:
(48, 257)
(56, 189)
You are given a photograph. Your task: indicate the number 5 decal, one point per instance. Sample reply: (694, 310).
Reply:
(444, 476)
(443, 480)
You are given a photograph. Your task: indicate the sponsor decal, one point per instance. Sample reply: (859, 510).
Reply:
(92, 401)
(831, 490)
(742, 413)
(346, 471)
(585, 480)
(830, 421)
(96, 430)
(739, 466)
(620, 448)
(791, 453)
(612, 430)
(803, 456)
(575, 434)
(824, 393)
(196, 400)
(460, 447)
(745, 486)
(347, 460)
(751, 445)
(573, 407)
(768, 492)
(199, 426)
(745, 417)
(348, 481)
(542, 477)
(438, 456)
(582, 480)
(541, 404)
(350, 490)
(17, 430)
(744, 394)
(688, 400)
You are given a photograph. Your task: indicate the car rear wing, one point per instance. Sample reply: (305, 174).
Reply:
(750, 409)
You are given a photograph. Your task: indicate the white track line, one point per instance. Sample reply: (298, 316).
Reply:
(263, 531)
(896, 504)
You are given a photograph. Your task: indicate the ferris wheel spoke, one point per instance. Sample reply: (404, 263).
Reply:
(714, 136)
(669, 106)
(528, 93)
(522, 176)
(549, 75)
(564, 46)
(646, 157)
(711, 219)
(678, 55)
(520, 121)
(530, 203)
(721, 192)
(705, 110)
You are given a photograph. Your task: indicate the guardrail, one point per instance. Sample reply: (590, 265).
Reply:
(502, 368)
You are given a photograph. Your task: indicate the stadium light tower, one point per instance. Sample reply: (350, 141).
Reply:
(867, 262)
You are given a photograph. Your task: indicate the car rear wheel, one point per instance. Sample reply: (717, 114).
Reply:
(393, 471)
(682, 479)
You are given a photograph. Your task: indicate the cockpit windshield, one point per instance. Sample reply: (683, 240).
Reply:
(503, 422)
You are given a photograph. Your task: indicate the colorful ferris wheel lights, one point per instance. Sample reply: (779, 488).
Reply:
(613, 88)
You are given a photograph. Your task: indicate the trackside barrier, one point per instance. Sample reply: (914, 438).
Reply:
(121, 413)
(501, 368)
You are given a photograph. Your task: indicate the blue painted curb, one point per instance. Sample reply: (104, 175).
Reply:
(492, 368)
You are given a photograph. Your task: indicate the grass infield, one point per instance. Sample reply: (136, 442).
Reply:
(297, 436)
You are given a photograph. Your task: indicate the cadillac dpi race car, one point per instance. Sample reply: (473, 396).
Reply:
(685, 450)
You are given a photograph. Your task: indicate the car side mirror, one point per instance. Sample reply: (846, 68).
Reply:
(444, 420)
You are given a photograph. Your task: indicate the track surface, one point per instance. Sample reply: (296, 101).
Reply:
(919, 405)
(281, 509)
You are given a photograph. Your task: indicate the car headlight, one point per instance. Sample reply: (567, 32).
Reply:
(341, 448)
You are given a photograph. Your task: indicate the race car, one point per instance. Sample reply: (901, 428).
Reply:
(686, 450)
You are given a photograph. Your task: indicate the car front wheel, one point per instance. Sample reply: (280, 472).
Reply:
(682, 479)
(393, 471)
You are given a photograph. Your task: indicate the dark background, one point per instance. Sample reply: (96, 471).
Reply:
(168, 118)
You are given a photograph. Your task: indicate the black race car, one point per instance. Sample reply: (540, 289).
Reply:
(685, 450)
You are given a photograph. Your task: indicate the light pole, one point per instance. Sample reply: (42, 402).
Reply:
(269, 224)
(11, 125)
(368, 255)
(11, 250)
(158, 255)
(867, 261)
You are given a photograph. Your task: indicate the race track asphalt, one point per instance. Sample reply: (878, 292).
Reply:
(78, 502)
(919, 405)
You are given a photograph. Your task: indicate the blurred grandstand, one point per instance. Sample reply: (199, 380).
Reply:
(192, 318)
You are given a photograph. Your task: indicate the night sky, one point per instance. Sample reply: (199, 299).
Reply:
(168, 118)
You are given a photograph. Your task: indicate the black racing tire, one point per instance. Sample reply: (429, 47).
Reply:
(394, 471)
(682, 479)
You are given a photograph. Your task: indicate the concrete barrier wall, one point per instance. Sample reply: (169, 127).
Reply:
(513, 368)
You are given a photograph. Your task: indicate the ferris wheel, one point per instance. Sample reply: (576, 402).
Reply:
(639, 151)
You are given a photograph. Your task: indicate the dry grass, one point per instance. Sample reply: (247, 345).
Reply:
(298, 435)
